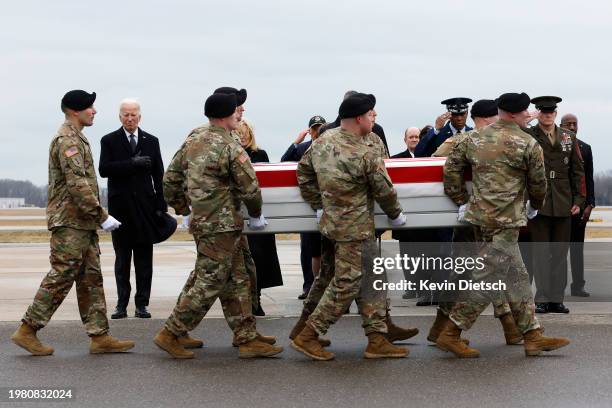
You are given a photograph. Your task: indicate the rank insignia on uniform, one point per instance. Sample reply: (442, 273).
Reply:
(243, 157)
(71, 152)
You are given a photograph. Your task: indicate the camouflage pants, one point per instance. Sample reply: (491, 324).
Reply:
(219, 273)
(502, 262)
(463, 237)
(75, 257)
(227, 302)
(346, 275)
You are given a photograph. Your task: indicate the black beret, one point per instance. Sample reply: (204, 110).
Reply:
(220, 105)
(513, 102)
(484, 108)
(457, 105)
(241, 95)
(356, 105)
(78, 100)
(546, 104)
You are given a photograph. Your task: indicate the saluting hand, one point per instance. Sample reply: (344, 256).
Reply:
(533, 115)
(441, 120)
(301, 136)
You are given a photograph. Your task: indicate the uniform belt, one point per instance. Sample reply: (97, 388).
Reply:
(551, 175)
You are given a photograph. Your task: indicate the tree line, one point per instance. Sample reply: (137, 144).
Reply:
(35, 196)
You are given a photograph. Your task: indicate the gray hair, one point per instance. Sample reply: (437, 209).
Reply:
(129, 101)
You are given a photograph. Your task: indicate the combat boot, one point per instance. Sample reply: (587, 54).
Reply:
(396, 333)
(450, 340)
(257, 348)
(511, 332)
(438, 324)
(189, 342)
(380, 347)
(168, 342)
(307, 342)
(108, 344)
(25, 337)
(535, 343)
(299, 326)
(260, 337)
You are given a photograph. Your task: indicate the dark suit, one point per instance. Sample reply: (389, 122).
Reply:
(431, 141)
(404, 155)
(578, 226)
(134, 196)
(295, 152)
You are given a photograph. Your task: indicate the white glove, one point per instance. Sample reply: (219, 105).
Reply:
(319, 215)
(399, 221)
(531, 212)
(257, 223)
(110, 224)
(461, 213)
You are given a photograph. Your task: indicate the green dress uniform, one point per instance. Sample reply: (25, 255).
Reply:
(550, 230)
(73, 215)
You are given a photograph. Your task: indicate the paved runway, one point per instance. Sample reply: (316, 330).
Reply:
(576, 376)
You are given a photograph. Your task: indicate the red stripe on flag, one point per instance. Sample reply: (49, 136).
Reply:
(287, 177)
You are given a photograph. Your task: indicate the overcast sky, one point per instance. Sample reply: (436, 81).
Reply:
(296, 59)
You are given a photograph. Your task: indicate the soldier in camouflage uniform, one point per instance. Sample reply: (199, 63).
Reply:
(506, 164)
(342, 175)
(483, 113)
(177, 170)
(326, 274)
(73, 215)
(217, 176)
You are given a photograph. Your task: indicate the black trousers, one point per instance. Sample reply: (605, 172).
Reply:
(310, 245)
(143, 265)
(550, 243)
(577, 252)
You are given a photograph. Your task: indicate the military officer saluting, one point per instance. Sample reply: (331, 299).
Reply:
(550, 230)
(73, 215)
(456, 115)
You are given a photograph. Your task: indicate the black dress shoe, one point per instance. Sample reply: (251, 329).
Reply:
(580, 292)
(557, 308)
(259, 311)
(541, 308)
(142, 313)
(303, 296)
(119, 313)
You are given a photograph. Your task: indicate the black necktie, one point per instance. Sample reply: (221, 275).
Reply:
(458, 132)
(133, 142)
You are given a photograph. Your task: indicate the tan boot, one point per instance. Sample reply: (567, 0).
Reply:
(189, 342)
(307, 342)
(299, 326)
(438, 324)
(168, 342)
(380, 347)
(450, 340)
(396, 333)
(25, 337)
(108, 344)
(257, 348)
(535, 343)
(511, 332)
(260, 337)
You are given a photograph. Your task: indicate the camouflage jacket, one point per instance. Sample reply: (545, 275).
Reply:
(343, 174)
(73, 196)
(506, 163)
(445, 148)
(212, 173)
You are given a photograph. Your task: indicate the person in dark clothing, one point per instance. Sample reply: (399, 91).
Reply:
(310, 242)
(263, 246)
(570, 122)
(411, 138)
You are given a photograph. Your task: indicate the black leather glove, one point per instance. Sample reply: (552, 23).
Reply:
(143, 162)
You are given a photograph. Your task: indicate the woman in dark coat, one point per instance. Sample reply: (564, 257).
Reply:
(263, 246)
